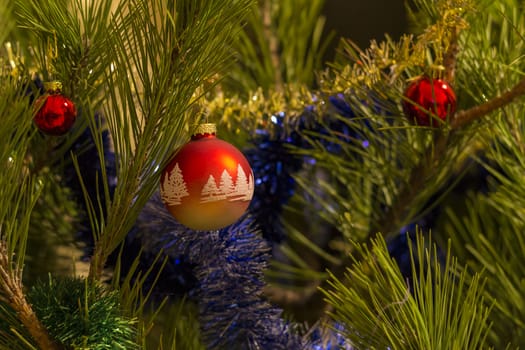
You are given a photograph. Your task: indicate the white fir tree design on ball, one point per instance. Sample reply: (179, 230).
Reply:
(241, 190)
(226, 186)
(251, 187)
(242, 187)
(174, 187)
(210, 192)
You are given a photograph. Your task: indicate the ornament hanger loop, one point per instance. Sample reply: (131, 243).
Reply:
(10, 54)
(204, 129)
(436, 71)
(51, 52)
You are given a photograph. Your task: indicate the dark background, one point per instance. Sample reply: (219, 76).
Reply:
(363, 20)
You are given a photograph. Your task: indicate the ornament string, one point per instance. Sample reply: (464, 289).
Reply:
(51, 55)
(11, 58)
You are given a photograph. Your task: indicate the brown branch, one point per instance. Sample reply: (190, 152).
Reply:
(417, 181)
(465, 117)
(12, 293)
(419, 175)
(449, 59)
(273, 44)
(389, 223)
(97, 262)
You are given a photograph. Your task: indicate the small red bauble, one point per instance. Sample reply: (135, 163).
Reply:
(209, 184)
(428, 99)
(56, 114)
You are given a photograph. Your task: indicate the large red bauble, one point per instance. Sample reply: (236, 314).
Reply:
(56, 114)
(208, 184)
(429, 99)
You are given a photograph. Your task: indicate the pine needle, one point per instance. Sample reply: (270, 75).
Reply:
(438, 309)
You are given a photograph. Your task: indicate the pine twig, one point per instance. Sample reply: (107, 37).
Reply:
(98, 261)
(418, 175)
(12, 290)
(273, 44)
(392, 217)
(465, 117)
(416, 182)
(450, 57)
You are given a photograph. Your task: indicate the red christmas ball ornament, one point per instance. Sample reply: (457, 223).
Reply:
(428, 99)
(56, 114)
(209, 184)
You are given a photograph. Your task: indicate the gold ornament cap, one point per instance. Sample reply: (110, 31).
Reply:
(205, 129)
(53, 87)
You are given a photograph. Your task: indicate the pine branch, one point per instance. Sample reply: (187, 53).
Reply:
(465, 117)
(6, 22)
(273, 44)
(439, 309)
(449, 59)
(396, 214)
(13, 295)
(489, 241)
(282, 43)
(148, 114)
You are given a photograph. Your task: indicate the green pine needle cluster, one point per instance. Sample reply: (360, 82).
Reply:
(145, 66)
(488, 231)
(437, 309)
(142, 65)
(16, 186)
(54, 221)
(12, 334)
(281, 43)
(406, 171)
(80, 315)
(172, 50)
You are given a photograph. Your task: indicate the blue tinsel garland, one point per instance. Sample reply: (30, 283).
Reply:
(223, 270)
(228, 266)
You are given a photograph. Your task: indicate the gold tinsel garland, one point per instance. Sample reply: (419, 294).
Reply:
(383, 65)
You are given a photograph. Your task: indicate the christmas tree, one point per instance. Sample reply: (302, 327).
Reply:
(388, 183)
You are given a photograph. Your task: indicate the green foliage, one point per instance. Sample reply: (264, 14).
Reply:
(18, 194)
(145, 64)
(12, 334)
(82, 316)
(487, 229)
(170, 49)
(491, 242)
(6, 22)
(70, 43)
(54, 223)
(379, 309)
(491, 57)
(17, 190)
(176, 327)
(280, 43)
